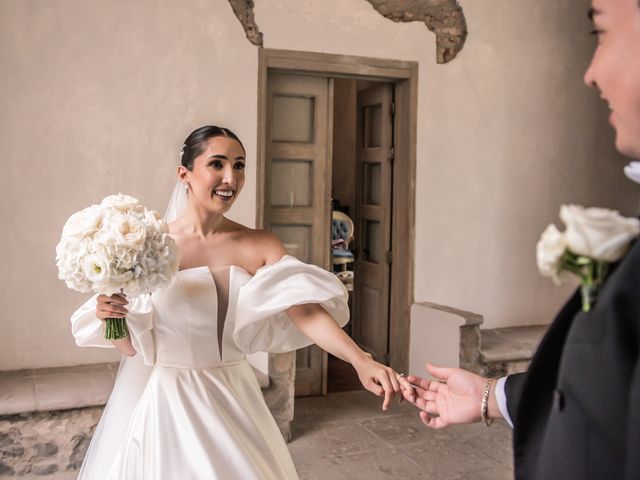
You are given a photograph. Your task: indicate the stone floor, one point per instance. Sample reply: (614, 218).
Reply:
(347, 436)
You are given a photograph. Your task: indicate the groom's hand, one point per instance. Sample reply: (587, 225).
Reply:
(454, 398)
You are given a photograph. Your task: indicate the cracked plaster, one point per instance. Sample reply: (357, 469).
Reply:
(445, 18)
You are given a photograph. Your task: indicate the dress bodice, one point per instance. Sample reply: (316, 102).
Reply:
(193, 320)
(209, 317)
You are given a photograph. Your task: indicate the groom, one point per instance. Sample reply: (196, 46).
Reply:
(576, 411)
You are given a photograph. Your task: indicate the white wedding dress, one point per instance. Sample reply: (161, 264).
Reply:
(188, 405)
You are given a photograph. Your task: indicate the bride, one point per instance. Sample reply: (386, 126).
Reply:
(186, 403)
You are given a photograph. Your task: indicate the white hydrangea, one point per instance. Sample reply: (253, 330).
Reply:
(116, 246)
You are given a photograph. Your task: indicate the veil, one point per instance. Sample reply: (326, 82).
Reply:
(130, 382)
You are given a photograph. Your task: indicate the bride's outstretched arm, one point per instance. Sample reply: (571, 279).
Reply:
(114, 307)
(318, 326)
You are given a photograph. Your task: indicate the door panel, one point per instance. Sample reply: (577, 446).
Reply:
(298, 173)
(374, 167)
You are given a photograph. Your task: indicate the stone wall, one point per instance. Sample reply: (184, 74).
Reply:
(48, 416)
(45, 443)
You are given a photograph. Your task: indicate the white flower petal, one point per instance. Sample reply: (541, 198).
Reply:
(632, 171)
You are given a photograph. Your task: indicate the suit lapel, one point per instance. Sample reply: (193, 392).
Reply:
(537, 392)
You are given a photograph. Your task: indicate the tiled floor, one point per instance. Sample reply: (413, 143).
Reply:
(346, 436)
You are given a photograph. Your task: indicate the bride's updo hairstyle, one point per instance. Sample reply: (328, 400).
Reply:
(195, 143)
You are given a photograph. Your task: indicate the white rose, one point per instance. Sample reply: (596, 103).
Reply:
(549, 251)
(597, 232)
(130, 233)
(95, 267)
(83, 223)
(122, 202)
(632, 171)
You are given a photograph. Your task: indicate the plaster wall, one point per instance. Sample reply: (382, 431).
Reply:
(98, 97)
(507, 132)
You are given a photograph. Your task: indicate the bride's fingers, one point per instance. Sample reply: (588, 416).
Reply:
(107, 312)
(116, 299)
(406, 384)
(383, 380)
(374, 388)
(393, 376)
(112, 309)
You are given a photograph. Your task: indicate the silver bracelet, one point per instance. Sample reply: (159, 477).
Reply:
(484, 406)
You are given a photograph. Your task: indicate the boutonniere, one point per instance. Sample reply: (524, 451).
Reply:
(593, 239)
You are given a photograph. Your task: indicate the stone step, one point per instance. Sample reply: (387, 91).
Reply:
(509, 350)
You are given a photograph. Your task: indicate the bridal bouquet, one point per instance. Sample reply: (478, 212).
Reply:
(593, 239)
(116, 247)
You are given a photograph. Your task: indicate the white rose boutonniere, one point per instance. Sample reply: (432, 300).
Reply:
(594, 238)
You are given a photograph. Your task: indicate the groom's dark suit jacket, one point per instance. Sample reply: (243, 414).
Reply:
(576, 411)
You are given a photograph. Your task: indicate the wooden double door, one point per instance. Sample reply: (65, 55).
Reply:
(297, 196)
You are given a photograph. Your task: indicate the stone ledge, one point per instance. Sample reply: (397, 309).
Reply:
(470, 318)
(50, 389)
(63, 388)
(511, 344)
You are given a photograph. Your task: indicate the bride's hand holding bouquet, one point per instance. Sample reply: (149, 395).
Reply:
(115, 249)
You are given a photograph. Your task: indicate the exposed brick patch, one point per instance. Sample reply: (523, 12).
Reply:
(244, 11)
(445, 18)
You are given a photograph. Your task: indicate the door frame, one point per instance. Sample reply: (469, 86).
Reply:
(404, 76)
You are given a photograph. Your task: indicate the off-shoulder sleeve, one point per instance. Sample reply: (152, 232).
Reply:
(88, 329)
(261, 321)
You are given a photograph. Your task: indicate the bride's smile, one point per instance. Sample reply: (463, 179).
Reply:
(216, 176)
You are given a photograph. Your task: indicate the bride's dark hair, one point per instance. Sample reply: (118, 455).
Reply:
(194, 144)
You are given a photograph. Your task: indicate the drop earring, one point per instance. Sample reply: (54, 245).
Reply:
(186, 188)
